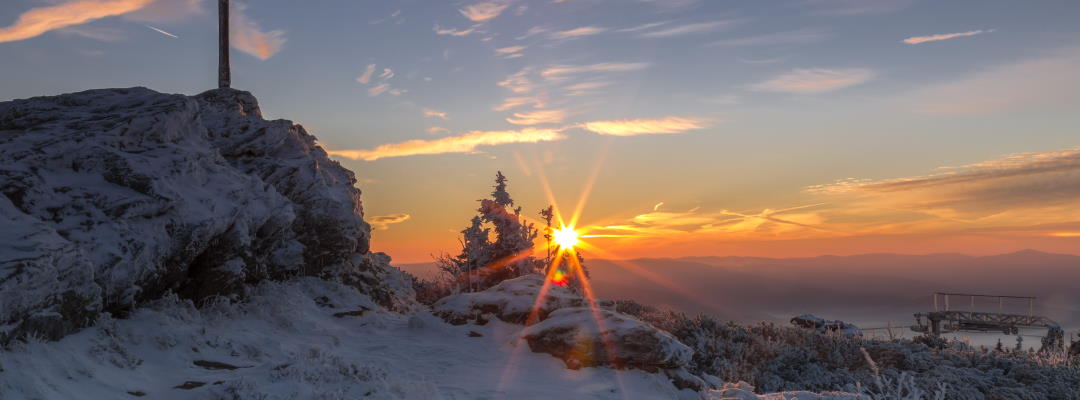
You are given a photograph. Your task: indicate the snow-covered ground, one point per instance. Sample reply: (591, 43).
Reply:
(286, 343)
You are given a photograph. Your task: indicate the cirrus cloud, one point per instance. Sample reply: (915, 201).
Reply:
(634, 127)
(485, 11)
(383, 222)
(537, 117)
(246, 35)
(577, 32)
(815, 80)
(942, 36)
(465, 143)
(564, 71)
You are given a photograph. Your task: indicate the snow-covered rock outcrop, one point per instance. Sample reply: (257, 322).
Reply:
(511, 300)
(584, 337)
(113, 197)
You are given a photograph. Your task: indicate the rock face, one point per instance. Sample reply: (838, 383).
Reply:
(511, 300)
(116, 196)
(583, 337)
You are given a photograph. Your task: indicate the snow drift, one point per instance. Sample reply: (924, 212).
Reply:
(117, 196)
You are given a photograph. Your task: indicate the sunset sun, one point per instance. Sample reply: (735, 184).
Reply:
(565, 237)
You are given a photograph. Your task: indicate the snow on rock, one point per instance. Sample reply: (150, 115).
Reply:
(582, 336)
(116, 196)
(823, 326)
(511, 300)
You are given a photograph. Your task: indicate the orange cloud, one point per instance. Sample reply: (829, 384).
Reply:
(465, 143)
(577, 32)
(245, 35)
(519, 82)
(815, 80)
(633, 127)
(510, 51)
(43, 19)
(435, 113)
(383, 222)
(511, 103)
(537, 117)
(366, 76)
(943, 36)
(453, 32)
(485, 11)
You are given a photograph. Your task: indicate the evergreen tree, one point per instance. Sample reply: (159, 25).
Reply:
(482, 262)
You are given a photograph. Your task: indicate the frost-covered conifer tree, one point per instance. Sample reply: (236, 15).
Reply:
(484, 262)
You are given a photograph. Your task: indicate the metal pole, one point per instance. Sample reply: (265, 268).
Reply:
(935, 302)
(224, 76)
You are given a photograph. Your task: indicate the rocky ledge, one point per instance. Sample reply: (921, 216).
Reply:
(113, 197)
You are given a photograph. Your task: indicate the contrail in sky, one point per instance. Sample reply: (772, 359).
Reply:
(163, 32)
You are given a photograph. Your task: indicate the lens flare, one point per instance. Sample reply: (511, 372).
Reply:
(565, 237)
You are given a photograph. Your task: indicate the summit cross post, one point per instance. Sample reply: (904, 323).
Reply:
(224, 76)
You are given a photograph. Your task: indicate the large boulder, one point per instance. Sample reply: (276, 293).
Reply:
(113, 197)
(583, 337)
(511, 300)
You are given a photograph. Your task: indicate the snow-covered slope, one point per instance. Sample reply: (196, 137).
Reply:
(285, 342)
(114, 197)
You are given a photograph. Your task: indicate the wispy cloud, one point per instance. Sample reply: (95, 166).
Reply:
(466, 143)
(815, 80)
(453, 32)
(437, 130)
(585, 88)
(246, 35)
(383, 222)
(563, 71)
(943, 36)
(39, 20)
(802, 36)
(1027, 183)
(690, 29)
(366, 76)
(511, 103)
(376, 90)
(510, 51)
(536, 30)
(435, 113)
(577, 32)
(519, 82)
(855, 7)
(643, 27)
(726, 224)
(167, 11)
(537, 117)
(1045, 83)
(481, 12)
(634, 127)
(387, 73)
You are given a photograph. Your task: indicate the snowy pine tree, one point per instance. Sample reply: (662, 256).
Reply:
(482, 262)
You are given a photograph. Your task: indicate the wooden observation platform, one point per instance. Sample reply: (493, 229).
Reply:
(947, 319)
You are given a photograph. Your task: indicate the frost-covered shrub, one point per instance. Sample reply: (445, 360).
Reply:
(779, 358)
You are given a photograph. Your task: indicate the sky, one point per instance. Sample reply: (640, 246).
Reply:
(677, 127)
